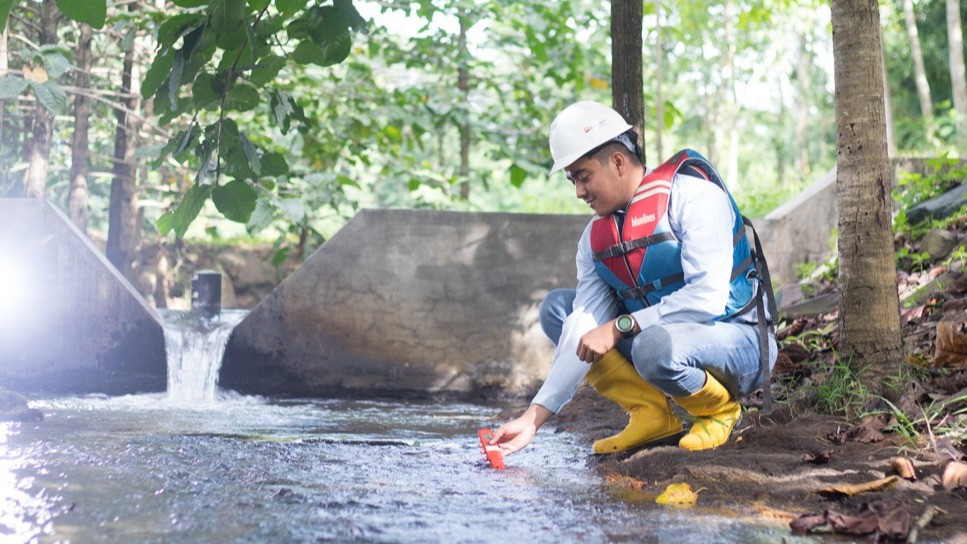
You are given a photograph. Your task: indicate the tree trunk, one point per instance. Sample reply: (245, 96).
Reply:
(659, 74)
(955, 39)
(627, 94)
(802, 109)
(869, 319)
(123, 230)
(779, 144)
(919, 72)
(38, 147)
(463, 85)
(888, 108)
(732, 104)
(80, 150)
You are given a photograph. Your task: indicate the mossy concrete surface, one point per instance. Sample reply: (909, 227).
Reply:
(69, 322)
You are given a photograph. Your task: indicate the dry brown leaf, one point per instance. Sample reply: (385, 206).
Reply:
(621, 480)
(903, 467)
(955, 475)
(951, 351)
(37, 75)
(855, 489)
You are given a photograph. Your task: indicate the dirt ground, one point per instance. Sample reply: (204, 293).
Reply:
(772, 468)
(760, 473)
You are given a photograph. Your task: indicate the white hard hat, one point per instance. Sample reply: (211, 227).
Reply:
(581, 127)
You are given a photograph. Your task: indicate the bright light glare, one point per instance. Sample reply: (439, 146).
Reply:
(12, 290)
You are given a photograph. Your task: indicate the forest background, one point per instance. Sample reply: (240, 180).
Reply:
(272, 122)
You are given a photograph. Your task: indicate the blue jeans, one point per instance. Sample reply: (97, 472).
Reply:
(674, 357)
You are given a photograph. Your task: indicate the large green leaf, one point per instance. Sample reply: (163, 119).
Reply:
(177, 26)
(92, 12)
(258, 5)
(55, 64)
(288, 8)
(203, 92)
(11, 87)
(156, 74)
(266, 69)
(274, 164)
(262, 216)
(517, 175)
(186, 212)
(190, 3)
(236, 200)
(243, 96)
(5, 7)
(51, 95)
(226, 15)
(333, 34)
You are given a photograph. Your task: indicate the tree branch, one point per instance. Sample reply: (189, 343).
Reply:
(118, 106)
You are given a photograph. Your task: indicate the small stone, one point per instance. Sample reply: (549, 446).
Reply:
(939, 243)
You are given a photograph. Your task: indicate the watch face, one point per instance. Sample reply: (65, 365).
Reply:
(625, 323)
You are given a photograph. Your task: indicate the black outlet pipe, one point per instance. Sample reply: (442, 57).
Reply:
(206, 293)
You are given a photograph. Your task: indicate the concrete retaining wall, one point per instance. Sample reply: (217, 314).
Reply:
(69, 322)
(406, 301)
(800, 230)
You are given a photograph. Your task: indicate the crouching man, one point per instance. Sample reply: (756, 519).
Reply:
(666, 301)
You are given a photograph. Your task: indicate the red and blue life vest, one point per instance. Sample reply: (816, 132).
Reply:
(640, 257)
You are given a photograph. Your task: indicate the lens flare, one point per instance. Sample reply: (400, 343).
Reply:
(12, 290)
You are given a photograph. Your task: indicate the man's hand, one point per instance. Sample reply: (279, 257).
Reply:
(597, 342)
(515, 435)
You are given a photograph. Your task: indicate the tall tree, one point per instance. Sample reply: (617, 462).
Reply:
(888, 108)
(802, 106)
(958, 80)
(80, 149)
(627, 94)
(869, 321)
(38, 147)
(124, 228)
(659, 76)
(919, 71)
(731, 103)
(463, 85)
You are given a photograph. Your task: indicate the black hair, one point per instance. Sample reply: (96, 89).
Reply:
(604, 151)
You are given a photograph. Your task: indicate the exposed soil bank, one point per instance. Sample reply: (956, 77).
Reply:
(760, 472)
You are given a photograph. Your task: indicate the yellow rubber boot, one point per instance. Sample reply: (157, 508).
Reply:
(650, 417)
(715, 414)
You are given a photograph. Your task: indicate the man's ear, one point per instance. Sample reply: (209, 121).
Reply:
(619, 161)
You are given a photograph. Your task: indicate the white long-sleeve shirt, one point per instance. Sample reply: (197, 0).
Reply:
(701, 217)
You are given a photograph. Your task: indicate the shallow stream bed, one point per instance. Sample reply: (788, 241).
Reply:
(244, 469)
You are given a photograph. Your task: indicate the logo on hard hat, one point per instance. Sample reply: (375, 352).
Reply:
(589, 128)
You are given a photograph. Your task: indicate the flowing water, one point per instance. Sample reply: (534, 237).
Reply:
(160, 468)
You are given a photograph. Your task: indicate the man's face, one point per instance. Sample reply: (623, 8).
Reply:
(597, 185)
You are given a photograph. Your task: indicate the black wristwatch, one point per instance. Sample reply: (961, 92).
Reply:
(625, 325)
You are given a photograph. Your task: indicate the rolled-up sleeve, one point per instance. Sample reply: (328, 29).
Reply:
(594, 304)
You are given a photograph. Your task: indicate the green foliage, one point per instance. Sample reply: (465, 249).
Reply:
(229, 57)
(5, 7)
(840, 390)
(92, 12)
(914, 188)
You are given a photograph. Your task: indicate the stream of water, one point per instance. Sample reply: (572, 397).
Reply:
(220, 467)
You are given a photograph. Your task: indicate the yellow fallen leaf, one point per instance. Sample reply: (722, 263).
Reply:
(37, 75)
(855, 489)
(678, 495)
(597, 83)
